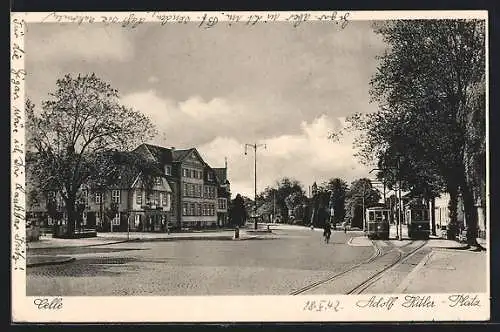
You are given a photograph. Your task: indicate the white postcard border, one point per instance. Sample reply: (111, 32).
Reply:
(206, 308)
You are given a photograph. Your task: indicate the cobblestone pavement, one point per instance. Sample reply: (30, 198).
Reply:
(256, 267)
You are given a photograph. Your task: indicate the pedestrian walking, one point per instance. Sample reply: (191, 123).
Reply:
(327, 232)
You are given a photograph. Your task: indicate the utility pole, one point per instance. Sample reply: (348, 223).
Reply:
(255, 146)
(400, 235)
(274, 206)
(364, 214)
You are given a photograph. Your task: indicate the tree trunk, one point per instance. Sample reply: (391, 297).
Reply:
(452, 207)
(433, 216)
(470, 215)
(70, 211)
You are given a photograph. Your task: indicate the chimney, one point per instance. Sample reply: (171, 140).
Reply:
(172, 148)
(225, 163)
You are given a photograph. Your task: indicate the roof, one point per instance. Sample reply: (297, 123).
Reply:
(161, 154)
(181, 154)
(167, 155)
(126, 178)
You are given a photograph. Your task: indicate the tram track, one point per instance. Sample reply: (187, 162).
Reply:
(377, 254)
(402, 256)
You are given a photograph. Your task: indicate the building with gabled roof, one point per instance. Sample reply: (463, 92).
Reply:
(196, 187)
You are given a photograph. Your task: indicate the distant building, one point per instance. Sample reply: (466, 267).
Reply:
(188, 194)
(223, 196)
(442, 214)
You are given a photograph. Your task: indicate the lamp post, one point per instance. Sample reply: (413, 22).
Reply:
(255, 146)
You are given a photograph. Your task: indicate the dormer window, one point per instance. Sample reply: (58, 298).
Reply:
(168, 170)
(158, 181)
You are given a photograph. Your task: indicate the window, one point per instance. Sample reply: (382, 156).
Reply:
(185, 209)
(115, 196)
(116, 219)
(158, 181)
(198, 209)
(163, 197)
(185, 191)
(98, 198)
(205, 209)
(191, 190)
(156, 198)
(138, 197)
(186, 172)
(85, 197)
(168, 170)
(222, 203)
(191, 209)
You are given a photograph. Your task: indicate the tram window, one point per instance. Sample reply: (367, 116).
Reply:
(417, 215)
(370, 215)
(386, 215)
(426, 215)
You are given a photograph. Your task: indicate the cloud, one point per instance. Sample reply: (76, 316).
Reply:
(309, 156)
(90, 43)
(196, 121)
(220, 128)
(153, 79)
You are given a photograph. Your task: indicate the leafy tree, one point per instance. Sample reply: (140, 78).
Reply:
(424, 85)
(337, 189)
(81, 119)
(294, 203)
(361, 192)
(238, 212)
(285, 197)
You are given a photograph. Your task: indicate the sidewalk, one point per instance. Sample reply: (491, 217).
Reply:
(448, 268)
(120, 237)
(40, 260)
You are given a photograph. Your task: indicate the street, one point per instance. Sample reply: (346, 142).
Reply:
(276, 266)
(293, 261)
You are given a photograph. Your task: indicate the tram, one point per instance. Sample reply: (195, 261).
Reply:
(418, 221)
(377, 219)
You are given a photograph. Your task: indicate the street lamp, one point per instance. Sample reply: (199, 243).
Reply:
(255, 146)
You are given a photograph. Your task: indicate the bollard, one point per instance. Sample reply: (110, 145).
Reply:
(236, 233)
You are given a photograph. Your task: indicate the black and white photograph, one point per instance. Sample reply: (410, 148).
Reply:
(328, 158)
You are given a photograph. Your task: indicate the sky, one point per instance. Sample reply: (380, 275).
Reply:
(218, 89)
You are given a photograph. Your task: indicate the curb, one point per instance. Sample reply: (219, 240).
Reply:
(164, 239)
(54, 262)
(82, 246)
